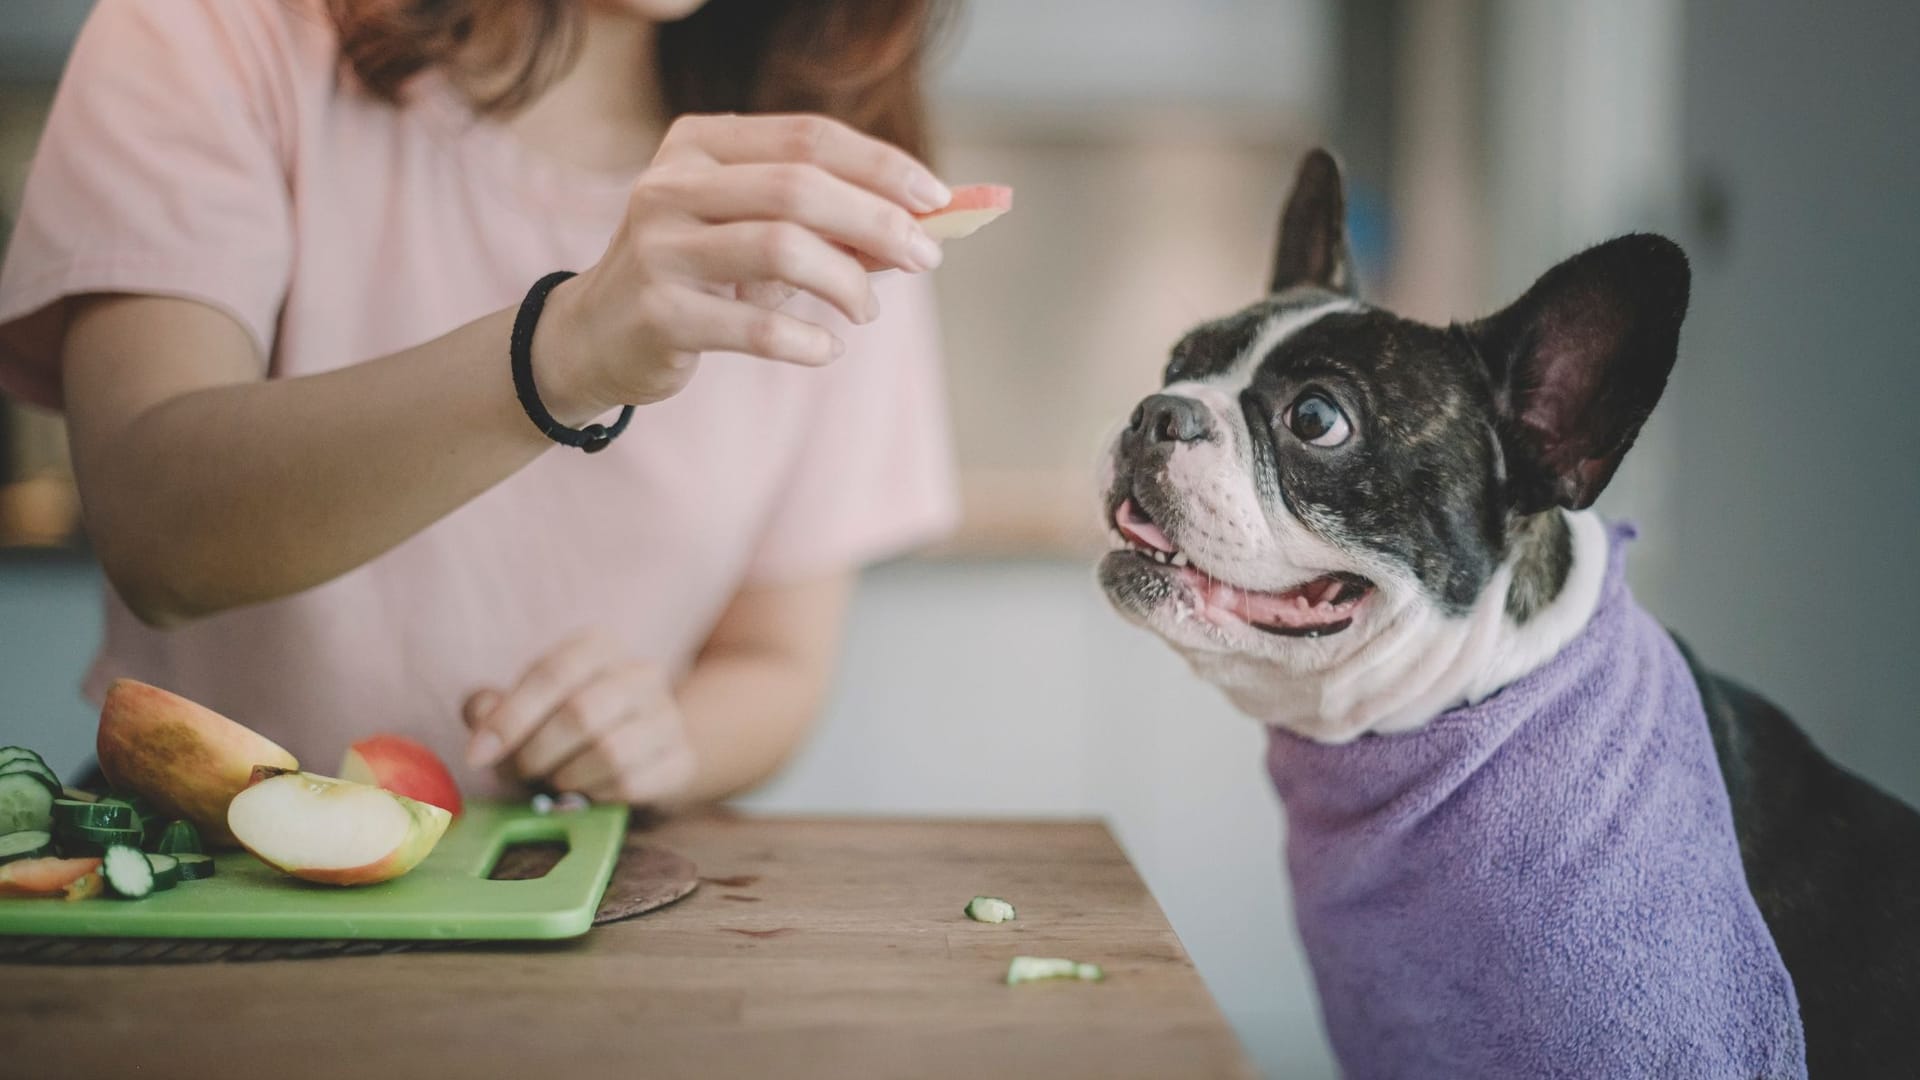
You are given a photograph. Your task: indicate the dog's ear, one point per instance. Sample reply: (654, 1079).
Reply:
(1579, 362)
(1313, 230)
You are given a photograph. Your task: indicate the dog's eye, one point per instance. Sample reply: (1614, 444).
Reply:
(1314, 419)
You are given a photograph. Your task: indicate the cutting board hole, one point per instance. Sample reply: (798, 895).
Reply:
(527, 860)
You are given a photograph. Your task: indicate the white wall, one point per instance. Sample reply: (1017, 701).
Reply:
(1797, 491)
(1079, 53)
(49, 624)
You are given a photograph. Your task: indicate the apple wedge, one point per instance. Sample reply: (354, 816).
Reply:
(333, 832)
(44, 877)
(972, 207)
(404, 767)
(184, 758)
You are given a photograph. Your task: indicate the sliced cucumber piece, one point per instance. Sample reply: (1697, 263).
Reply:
(1035, 968)
(79, 796)
(25, 803)
(989, 909)
(195, 867)
(34, 769)
(87, 840)
(178, 838)
(11, 754)
(105, 814)
(127, 871)
(166, 871)
(25, 844)
(103, 837)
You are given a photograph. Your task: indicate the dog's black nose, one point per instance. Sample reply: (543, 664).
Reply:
(1171, 418)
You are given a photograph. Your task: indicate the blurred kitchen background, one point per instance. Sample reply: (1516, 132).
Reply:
(1778, 487)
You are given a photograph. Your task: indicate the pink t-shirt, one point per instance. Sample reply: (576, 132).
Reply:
(212, 149)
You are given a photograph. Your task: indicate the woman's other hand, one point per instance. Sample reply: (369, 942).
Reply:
(734, 214)
(585, 718)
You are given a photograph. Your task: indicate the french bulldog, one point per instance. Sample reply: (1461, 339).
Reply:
(1528, 833)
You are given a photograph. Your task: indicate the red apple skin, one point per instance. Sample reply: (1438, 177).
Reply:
(404, 767)
(429, 825)
(184, 758)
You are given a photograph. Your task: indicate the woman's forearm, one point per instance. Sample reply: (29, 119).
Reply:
(760, 681)
(745, 714)
(207, 487)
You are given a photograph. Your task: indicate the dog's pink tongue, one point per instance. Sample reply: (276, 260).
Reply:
(1139, 527)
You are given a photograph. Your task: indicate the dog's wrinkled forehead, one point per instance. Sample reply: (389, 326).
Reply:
(1218, 348)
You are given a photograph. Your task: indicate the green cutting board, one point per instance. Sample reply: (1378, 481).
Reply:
(447, 897)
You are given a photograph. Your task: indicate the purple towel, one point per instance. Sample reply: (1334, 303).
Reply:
(1544, 884)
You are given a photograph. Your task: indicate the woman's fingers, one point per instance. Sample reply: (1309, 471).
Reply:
(643, 759)
(477, 706)
(693, 321)
(814, 140)
(805, 195)
(765, 294)
(546, 684)
(750, 251)
(583, 717)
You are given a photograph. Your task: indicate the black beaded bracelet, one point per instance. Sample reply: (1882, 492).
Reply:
(594, 437)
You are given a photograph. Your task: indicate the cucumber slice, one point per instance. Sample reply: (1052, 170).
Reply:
(11, 754)
(26, 844)
(25, 803)
(127, 871)
(105, 814)
(77, 795)
(195, 867)
(1035, 968)
(87, 840)
(178, 838)
(989, 909)
(34, 769)
(166, 871)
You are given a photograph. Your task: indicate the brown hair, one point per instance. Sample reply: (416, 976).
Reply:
(859, 61)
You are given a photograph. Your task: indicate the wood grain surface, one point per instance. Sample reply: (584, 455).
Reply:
(813, 948)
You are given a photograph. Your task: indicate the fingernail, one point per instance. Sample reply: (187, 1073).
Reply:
(925, 251)
(483, 749)
(838, 348)
(927, 192)
(873, 307)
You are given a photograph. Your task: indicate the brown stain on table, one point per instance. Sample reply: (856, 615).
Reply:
(889, 978)
(737, 881)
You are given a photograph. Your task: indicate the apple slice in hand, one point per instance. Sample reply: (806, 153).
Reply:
(972, 207)
(403, 767)
(333, 832)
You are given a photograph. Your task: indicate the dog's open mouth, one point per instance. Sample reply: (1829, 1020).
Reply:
(1315, 608)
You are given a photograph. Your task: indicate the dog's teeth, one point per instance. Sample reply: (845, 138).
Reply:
(1179, 558)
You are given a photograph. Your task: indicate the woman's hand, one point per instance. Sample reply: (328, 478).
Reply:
(734, 214)
(583, 718)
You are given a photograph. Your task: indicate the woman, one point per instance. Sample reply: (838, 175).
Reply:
(270, 261)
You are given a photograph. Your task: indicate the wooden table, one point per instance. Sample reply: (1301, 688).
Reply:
(814, 948)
